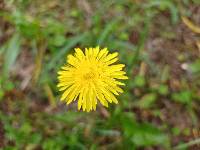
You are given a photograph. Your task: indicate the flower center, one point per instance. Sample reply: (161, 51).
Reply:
(88, 72)
(89, 75)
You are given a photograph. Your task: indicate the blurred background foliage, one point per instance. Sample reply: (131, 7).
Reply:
(160, 106)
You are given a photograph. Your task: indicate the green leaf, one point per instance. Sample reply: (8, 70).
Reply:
(195, 66)
(143, 134)
(163, 89)
(107, 132)
(147, 100)
(1, 94)
(176, 131)
(2, 49)
(11, 52)
(61, 117)
(58, 40)
(184, 97)
(139, 81)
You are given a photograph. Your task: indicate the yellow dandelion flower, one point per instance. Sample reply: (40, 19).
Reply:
(91, 76)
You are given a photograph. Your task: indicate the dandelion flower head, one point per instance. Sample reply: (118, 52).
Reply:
(91, 76)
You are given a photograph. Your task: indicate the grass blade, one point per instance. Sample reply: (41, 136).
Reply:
(106, 31)
(11, 52)
(70, 44)
(186, 145)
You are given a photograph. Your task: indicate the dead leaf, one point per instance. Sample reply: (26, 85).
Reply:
(190, 25)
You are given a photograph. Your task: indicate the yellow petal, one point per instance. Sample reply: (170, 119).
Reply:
(84, 99)
(80, 100)
(110, 97)
(110, 56)
(67, 68)
(90, 53)
(106, 94)
(79, 53)
(109, 88)
(96, 52)
(72, 60)
(65, 83)
(111, 61)
(102, 99)
(120, 77)
(102, 53)
(73, 95)
(65, 94)
(118, 73)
